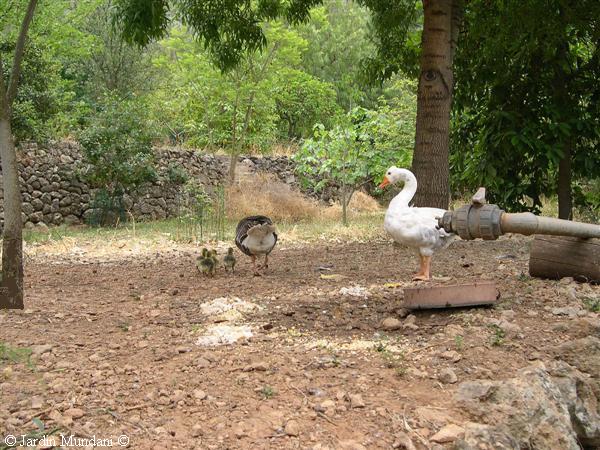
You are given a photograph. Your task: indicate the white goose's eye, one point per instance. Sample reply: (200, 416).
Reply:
(389, 173)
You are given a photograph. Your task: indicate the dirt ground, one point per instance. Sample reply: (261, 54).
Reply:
(115, 343)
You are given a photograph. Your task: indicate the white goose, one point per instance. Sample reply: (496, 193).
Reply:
(411, 226)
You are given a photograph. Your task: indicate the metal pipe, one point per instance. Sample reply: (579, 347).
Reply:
(489, 222)
(528, 223)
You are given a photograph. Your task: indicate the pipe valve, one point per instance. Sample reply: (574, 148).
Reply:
(489, 222)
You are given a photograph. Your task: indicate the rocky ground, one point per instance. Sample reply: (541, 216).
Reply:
(135, 345)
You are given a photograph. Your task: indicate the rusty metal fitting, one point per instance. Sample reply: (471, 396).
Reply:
(480, 220)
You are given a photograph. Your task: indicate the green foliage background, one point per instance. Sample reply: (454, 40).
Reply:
(526, 86)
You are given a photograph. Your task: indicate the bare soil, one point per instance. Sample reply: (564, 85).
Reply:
(121, 354)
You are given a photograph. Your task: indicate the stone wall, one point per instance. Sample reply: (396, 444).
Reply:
(54, 191)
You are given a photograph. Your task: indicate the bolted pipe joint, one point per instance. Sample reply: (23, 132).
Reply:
(488, 222)
(473, 221)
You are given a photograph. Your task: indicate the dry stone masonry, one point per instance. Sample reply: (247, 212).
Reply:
(54, 191)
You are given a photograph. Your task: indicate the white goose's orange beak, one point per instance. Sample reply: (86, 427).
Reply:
(384, 183)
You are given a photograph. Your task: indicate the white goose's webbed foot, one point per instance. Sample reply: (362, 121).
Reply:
(424, 270)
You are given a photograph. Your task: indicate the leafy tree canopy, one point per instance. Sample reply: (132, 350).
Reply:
(525, 96)
(228, 29)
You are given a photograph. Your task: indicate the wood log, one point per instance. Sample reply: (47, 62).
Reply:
(560, 256)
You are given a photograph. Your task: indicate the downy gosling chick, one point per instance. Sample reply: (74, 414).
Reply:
(229, 260)
(205, 263)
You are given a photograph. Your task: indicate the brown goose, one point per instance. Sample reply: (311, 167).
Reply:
(255, 236)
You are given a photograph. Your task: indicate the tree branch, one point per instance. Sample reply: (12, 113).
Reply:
(19, 50)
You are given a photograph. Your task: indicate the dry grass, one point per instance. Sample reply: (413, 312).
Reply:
(288, 149)
(264, 194)
(362, 202)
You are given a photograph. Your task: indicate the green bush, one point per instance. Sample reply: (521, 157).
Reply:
(177, 174)
(107, 209)
(117, 147)
(356, 153)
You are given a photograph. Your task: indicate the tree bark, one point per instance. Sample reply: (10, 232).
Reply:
(12, 243)
(434, 99)
(11, 294)
(564, 100)
(565, 200)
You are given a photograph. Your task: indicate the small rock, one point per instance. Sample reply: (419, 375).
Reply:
(356, 401)
(59, 419)
(391, 323)
(199, 394)
(178, 395)
(197, 430)
(560, 327)
(239, 431)
(292, 428)
(449, 433)
(416, 372)
(403, 442)
(453, 330)
(94, 358)
(182, 349)
(142, 344)
(569, 311)
(260, 366)
(508, 314)
(431, 416)
(74, 413)
(452, 355)
(351, 445)
(511, 329)
(448, 376)
(316, 392)
(37, 350)
(402, 312)
(327, 404)
(478, 390)
(202, 363)
(37, 402)
(7, 372)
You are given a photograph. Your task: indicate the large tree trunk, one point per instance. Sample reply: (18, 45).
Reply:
(11, 293)
(565, 201)
(12, 245)
(434, 98)
(564, 100)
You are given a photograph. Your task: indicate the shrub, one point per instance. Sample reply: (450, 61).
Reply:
(117, 147)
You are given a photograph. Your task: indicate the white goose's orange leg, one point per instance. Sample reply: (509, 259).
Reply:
(424, 269)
